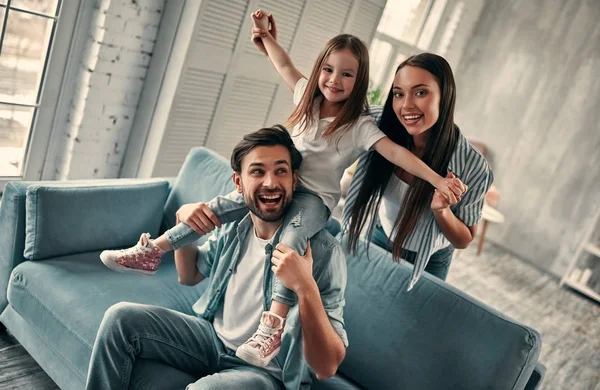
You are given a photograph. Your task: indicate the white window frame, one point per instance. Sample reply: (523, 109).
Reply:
(401, 47)
(55, 77)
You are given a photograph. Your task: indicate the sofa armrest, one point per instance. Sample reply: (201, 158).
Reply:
(73, 218)
(12, 233)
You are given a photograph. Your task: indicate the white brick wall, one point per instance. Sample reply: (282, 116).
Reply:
(113, 69)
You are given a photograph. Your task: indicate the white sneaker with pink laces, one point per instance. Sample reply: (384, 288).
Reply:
(143, 258)
(265, 343)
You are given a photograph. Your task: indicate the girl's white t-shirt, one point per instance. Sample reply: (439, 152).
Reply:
(324, 161)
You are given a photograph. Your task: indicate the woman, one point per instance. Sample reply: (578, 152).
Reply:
(406, 216)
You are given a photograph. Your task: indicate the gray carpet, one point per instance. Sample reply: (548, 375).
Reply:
(569, 323)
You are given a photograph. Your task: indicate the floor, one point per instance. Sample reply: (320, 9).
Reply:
(569, 323)
(18, 370)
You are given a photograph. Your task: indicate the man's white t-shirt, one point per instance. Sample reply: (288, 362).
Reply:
(239, 316)
(324, 161)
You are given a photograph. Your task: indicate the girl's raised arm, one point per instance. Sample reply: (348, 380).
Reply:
(403, 158)
(279, 58)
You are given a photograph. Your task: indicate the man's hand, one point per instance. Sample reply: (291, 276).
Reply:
(198, 216)
(293, 270)
(260, 20)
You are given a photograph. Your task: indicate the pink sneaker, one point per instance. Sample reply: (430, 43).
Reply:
(264, 344)
(143, 258)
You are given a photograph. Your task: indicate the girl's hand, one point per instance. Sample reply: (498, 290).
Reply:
(448, 193)
(260, 20)
(259, 32)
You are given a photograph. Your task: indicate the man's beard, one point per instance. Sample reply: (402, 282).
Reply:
(253, 205)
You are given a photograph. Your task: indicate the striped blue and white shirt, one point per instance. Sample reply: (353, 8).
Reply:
(470, 166)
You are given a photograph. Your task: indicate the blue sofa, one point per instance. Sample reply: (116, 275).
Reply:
(54, 292)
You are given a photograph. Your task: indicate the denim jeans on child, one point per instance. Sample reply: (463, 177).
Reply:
(132, 331)
(306, 216)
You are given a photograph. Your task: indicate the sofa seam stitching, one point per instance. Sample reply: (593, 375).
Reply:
(528, 360)
(35, 236)
(59, 321)
(54, 349)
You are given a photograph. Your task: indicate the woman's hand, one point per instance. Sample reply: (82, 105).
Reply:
(198, 216)
(454, 190)
(263, 25)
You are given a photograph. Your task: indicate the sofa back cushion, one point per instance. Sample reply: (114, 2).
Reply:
(75, 217)
(432, 337)
(204, 175)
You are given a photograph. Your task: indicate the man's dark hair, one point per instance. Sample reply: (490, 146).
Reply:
(268, 136)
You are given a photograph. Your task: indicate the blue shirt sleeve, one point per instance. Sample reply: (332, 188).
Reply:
(478, 181)
(207, 253)
(331, 277)
(376, 112)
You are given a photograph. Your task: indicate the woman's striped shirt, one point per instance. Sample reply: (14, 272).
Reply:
(469, 165)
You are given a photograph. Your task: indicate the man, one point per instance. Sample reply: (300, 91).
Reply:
(239, 291)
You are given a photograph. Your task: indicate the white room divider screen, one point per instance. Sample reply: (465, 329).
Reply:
(216, 86)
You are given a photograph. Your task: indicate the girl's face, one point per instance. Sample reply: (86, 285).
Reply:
(338, 75)
(416, 99)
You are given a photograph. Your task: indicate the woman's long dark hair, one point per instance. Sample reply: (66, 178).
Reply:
(442, 140)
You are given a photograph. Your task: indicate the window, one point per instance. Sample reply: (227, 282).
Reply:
(26, 33)
(409, 27)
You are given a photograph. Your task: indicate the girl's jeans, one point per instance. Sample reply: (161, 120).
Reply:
(305, 217)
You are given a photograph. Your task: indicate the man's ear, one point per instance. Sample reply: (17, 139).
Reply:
(295, 178)
(237, 180)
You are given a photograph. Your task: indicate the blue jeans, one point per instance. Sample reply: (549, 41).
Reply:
(306, 216)
(438, 264)
(132, 331)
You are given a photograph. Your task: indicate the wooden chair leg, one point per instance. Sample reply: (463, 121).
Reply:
(482, 237)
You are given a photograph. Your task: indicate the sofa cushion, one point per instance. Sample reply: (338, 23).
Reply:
(65, 299)
(432, 337)
(71, 217)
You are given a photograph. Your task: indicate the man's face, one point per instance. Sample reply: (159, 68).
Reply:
(267, 182)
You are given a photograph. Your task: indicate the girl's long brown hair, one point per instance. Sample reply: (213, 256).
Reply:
(442, 140)
(353, 107)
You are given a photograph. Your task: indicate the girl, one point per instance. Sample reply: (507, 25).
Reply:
(408, 218)
(331, 127)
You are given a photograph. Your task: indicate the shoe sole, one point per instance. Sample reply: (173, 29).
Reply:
(249, 358)
(110, 263)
